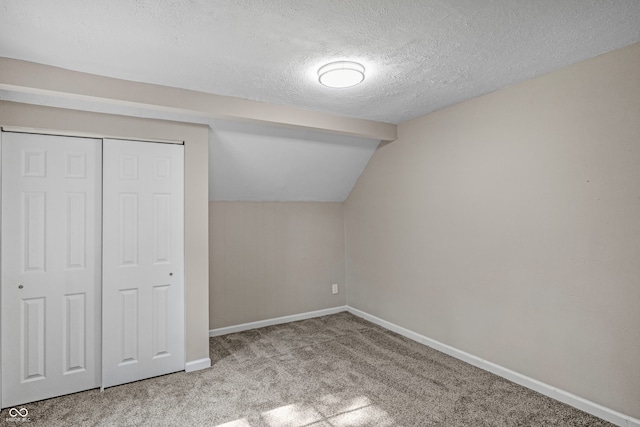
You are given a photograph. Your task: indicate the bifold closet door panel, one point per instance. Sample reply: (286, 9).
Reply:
(51, 257)
(143, 260)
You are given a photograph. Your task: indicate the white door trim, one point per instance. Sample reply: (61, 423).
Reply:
(16, 129)
(1, 132)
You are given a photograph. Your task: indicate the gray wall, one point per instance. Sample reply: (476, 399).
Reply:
(270, 259)
(508, 226)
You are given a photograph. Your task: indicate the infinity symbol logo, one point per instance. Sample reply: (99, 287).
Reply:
(22, 412)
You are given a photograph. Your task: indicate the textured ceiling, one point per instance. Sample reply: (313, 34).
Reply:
(420, 55)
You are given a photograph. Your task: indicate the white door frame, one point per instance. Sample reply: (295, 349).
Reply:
(1, 132)
(70, 133)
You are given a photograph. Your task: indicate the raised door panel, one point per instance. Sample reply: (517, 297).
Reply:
(32, 344)
(76, 231)
(128, 328)
(128, 229)
(75, 333)
(33, 222)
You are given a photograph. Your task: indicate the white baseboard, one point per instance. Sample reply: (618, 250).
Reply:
(276, 321)
(196, 365)
(542, 388)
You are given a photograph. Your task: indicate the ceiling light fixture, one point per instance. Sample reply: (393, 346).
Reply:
(341, 74)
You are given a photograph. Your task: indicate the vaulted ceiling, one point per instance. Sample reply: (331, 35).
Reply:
(419, 56)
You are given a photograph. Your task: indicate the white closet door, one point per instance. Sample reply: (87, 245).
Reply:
(51, 198)
(143, 260)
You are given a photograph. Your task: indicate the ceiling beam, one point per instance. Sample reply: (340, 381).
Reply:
(30, 77)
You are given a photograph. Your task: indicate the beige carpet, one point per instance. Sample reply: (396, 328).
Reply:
(336, 370)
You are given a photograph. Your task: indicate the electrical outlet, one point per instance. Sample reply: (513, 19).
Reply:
(334, 288)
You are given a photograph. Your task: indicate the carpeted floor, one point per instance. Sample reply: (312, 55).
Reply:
(336, 370)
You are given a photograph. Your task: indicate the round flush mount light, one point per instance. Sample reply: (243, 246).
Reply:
(341, 74)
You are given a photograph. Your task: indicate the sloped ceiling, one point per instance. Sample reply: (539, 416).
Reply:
(265, 163)
(420, 56)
